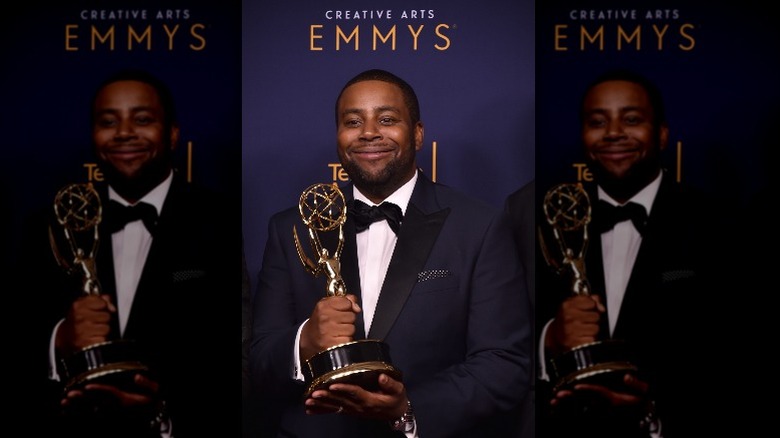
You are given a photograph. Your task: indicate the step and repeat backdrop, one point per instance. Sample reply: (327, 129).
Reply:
(471, 65)
(56, 55)
(715, 66)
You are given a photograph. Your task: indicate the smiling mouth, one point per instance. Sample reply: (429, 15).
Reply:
(126, 153)
(616, 153)
(371, 152)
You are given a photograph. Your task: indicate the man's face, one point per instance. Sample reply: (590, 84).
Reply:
(129, 134)
(619, 133)
(376, 139)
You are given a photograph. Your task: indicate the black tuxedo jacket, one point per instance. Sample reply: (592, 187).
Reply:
(663, 315)
(178, 310)
(453, 310)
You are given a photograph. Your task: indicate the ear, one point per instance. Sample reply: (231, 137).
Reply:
(174, 136)
(663, 137)
(419, 132)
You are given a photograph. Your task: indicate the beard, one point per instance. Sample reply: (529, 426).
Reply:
(623, 187)
(135, 186)
(384, 182)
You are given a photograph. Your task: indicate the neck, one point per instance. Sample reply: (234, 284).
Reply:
(132, 190)
(625, 189)
(378, 193)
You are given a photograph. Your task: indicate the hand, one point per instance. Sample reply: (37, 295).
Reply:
(576, 323)
(140, 398)
(388, 403)
(634, 393)
(88, 322)
(331, 323)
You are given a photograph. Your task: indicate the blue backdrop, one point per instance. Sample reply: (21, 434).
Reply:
(472, 66)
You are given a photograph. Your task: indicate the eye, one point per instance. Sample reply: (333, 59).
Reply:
(595, 122)
(105, 122)
(352, 123)
(144, 120)
(633, 119)
(387, 121)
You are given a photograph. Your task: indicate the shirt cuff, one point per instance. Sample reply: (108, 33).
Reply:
(53, 375)
(543, 375)
(297, 373)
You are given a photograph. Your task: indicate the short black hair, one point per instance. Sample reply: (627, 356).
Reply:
(162, 90)
(410, 98)
(653, 93)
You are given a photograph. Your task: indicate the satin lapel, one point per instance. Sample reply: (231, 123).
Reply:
(156, 280)
(594, 265)
(415, 240)
(152, 281)
(644, 275)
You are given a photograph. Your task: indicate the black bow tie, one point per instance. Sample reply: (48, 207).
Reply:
(606, 215)
(364, 215)
(117, 215)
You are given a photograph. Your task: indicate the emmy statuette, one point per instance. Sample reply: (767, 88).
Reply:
(78, 211)
(567, 210)
(323, 209)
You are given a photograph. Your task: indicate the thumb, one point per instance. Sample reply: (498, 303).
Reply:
(599, 306)
(389, 385)
(107, 299)
(355, 306)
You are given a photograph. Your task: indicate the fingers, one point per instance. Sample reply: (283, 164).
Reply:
(560, 396)
(94, 303)
(386, 403)
(633, 394)
(332, 323)
(576, 323)
(88, 322)
(639, 386)
(323, 402)
(143, 393)
(389, 385)
(147, 384)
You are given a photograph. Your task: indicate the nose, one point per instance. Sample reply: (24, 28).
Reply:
(370, 131)
(124, 130)
(614, 130)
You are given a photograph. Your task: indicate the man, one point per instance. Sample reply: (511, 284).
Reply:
(648, 278)
(163, 279)
(445, 293)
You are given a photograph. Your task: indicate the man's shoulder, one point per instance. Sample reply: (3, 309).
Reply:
(288, 215)
(461, 202)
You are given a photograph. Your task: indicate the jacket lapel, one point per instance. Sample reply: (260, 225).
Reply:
(104, 262)
(416, 238)
(156, 275)
(644, 275)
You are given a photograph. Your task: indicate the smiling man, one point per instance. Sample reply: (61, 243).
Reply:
(163, 275)
(647, 276)
(442, 287)
(135, 132)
